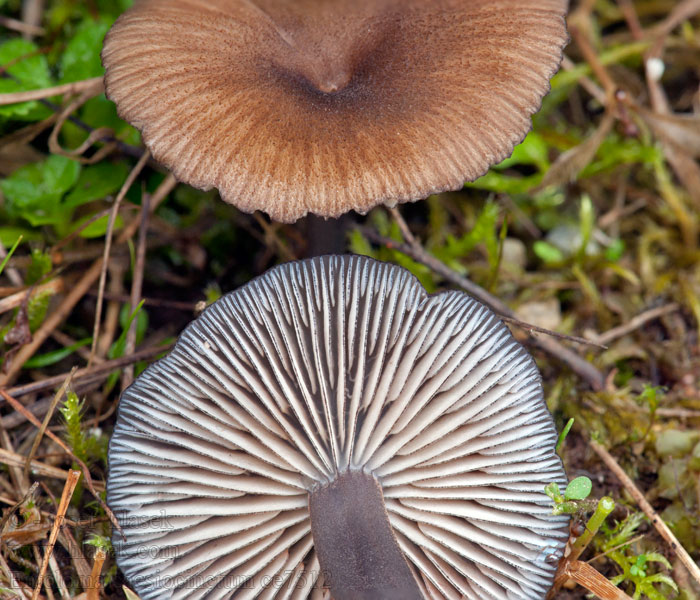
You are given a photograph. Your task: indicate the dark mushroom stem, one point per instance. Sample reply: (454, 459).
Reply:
(359, 554)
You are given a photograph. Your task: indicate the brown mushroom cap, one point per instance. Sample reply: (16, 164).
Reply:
(326, 106)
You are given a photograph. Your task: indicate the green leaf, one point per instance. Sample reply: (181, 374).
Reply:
(28, 70)
(661, 578)
(615, 250)
(9, 235)
(98, 228)
(533, 150)
(494, 181)
(100, 542)
(359, 244)
(81, 59)
(548, 253)
(578, 489)
(657, 557)
(483, 232)
(34, 191)
(96, 182)
(51, 358)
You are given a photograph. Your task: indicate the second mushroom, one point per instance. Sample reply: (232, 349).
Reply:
(330, 429)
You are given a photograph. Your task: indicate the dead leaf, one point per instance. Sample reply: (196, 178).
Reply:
(682, 130)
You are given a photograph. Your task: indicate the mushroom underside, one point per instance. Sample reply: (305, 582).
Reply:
(232, 457)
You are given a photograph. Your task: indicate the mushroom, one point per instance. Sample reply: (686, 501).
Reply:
(326, 106)
(330, 428)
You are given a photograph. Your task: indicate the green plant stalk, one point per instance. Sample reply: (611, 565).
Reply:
(7, 258)
(564, 433)
(605, 506)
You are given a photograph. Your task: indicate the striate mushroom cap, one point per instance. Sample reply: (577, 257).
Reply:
(326, 106)
(330, 428)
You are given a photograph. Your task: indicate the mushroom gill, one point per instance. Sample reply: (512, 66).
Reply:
(330, 428)
(324, 106)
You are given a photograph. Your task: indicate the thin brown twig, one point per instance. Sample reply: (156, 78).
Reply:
(55, 286)
(108, 247)
(156, 302)
(635, 323)
(83, 467)
(75, 87)
(13, 459)
(10, 574)
(591, 57)
(102, 134)
(40, 434)
(93, 591)
(58, 576)
(630, 14)
(578, 365)
(647, 509)
(15, 505)
(51, 322)
(21, 26)
(32, 11)
(47, 584)
(136, 288)
(19, 479)
(588, 577)
(68, 489)
(81, 565)
(101, 370)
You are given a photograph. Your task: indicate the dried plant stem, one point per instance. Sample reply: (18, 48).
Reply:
(93, 591)
(77, 87)
(10, 575)
(21, 26)
(647, 509)
(586, 576)
(53, 320)
(101, 370)
(136, 288)
(58, 577)
(635, 323)
(108, 247)
(19, 479)
(82, 568)
(68, 489)
(578, 365)
(83, 467)
(12, 459)
(55, 286)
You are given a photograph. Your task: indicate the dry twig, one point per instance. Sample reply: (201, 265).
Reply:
(83, 467)
(68, 489)
(647, 509)
(581, 367)
(77, 87)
